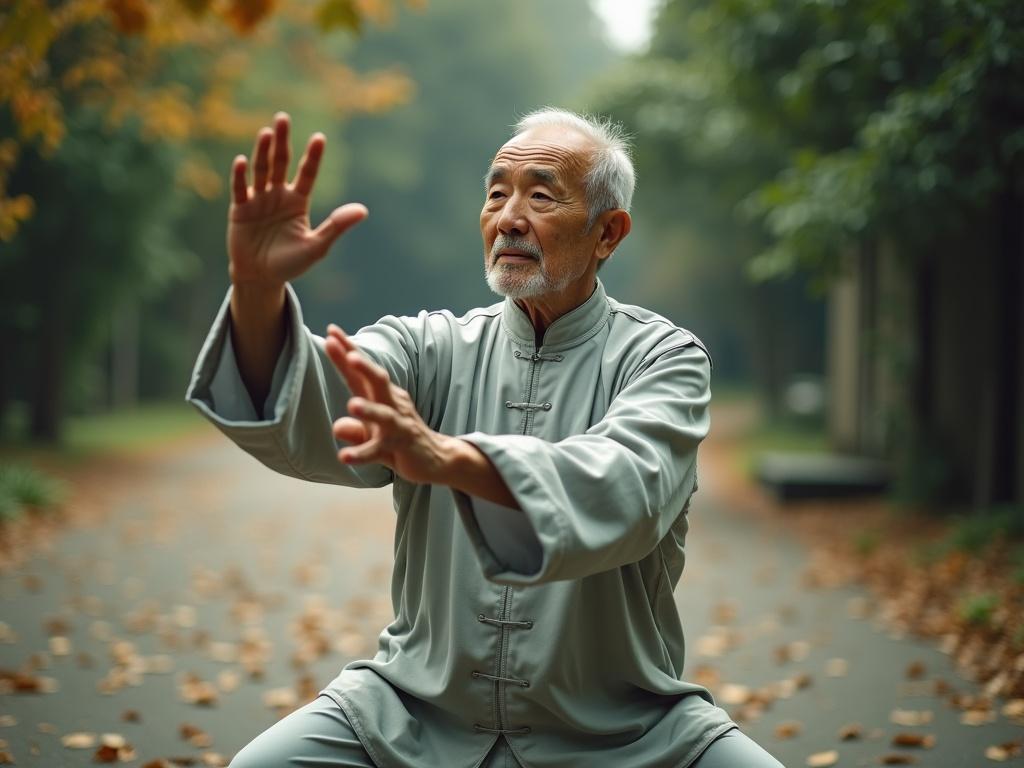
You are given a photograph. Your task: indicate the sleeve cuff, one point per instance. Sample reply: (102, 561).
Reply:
(504, 538)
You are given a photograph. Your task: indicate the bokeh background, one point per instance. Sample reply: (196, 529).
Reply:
(829, 195)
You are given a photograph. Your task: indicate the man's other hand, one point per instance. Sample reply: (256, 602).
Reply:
(269, 237)
(385, 428)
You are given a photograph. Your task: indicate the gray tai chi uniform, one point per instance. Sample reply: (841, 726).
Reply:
(547, 636)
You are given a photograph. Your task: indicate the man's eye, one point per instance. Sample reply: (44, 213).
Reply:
(541, 196)
(495, 194)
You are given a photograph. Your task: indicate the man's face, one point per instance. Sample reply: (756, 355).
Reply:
(535, 213)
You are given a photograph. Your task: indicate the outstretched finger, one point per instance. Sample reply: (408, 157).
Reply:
(361, 454)
(338, 355)
(261, 160)
(338, 222)
(310, 164)
(239, 187)
(375, 375)
(281, 150)
(376, 413)
(350, 430)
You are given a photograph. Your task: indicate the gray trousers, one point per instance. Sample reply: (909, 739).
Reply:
(319, 735)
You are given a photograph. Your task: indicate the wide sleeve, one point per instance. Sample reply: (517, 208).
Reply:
(291, 433)
(604, 498)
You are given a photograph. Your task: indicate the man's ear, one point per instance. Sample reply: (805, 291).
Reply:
(614, 226)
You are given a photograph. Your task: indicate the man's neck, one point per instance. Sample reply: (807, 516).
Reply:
(545, 310)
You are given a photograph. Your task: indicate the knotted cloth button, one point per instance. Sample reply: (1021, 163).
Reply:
(546, 406)
(524, 683)
(508, 403)
(529, 625)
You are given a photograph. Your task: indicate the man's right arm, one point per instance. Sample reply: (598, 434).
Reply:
(258, 333)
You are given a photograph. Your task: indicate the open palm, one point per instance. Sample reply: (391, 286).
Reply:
(270, 240)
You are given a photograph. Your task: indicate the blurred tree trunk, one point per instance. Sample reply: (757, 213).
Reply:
(48, 382)
(124, 357)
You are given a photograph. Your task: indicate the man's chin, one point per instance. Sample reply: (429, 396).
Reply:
(515, 283)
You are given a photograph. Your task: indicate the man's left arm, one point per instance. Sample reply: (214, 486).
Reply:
(582, 505)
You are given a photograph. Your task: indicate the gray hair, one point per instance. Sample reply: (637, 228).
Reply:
(610, 180)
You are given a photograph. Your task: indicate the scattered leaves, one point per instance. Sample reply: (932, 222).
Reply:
(823, 759)
(788, 729)
(79, 740)
(905, 739)
(1004, 751)
(911, 717)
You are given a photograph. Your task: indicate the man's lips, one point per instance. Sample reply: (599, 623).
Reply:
(515, 256)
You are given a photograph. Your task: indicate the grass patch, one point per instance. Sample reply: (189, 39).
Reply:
(977, 609)
(25, 489)
(788, 437)
(128, 430)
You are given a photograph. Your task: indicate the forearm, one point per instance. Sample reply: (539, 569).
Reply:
(466, 468)
(258, 333)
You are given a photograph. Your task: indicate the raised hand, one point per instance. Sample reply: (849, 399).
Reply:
(270, 240)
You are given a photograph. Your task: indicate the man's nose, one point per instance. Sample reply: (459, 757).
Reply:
(512, 220)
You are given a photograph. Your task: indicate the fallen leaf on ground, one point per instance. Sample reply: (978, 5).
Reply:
(732, 693)
(976, 717)
(925, 740)
(897, 758)
(79, 740)
(823, 759)
(915, 670)
(195, 735)
(214, 760)
(788, 729)
(911, 717)
(851, 731)
(279, 698)
(1001, 752)
(6, 758)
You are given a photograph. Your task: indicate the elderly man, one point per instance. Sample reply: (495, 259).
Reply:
(542, 456)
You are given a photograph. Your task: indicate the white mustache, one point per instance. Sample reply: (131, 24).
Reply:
(504, 242)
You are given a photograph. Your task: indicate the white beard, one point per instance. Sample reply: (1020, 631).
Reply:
(519, 281)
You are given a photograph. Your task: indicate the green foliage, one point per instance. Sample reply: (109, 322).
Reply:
(866, 542)
(977, 609)
(817, 124)
(25, 488)
(974, 533)
(339, 14)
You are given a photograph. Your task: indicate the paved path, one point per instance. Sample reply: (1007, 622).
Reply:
(209, 568)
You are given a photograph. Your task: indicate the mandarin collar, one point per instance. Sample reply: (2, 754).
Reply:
(571, 329)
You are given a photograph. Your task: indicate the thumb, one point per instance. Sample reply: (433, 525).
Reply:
(338, 222)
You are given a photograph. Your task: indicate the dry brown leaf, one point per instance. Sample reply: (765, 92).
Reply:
(6, 758)
(788, 729)
(976, 717)
(279, 698)
(732, 693)
(131, 716)
(911, 717)
(1013, 708)
(195, 735)
(1002, 752)
(214, 760)
(105, 754)
(904, 739)
(79, 740)
(916, 670)
(851, 731)
(60, 646)
(8, 721)
(897, 758)
(823, 759)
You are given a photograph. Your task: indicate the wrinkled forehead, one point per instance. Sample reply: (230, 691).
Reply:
(564, 152)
